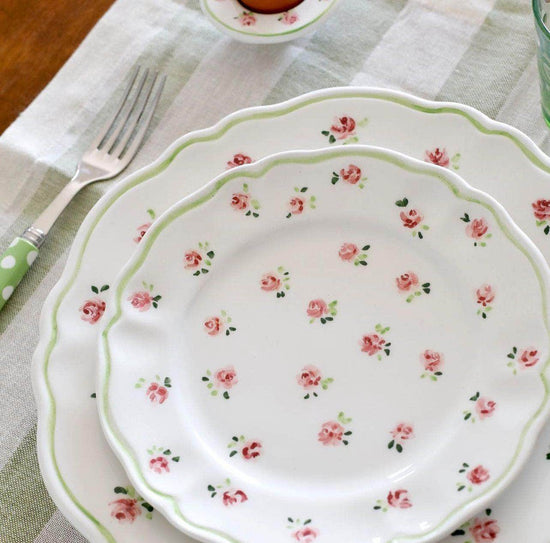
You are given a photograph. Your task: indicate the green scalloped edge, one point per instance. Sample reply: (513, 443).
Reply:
(254, 171)
(266, 112)
(295, 30)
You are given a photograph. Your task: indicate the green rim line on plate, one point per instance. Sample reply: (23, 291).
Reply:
(268, 35)
(253, 171)
(215, 133)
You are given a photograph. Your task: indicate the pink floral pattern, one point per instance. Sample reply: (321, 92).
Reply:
(334, 432)
(157, 390)
(343, 129)
(483, 407)
(485, 295)
(222, 379)
(219, 325)
(397, 499)
(349, 252)
(142, 229)
(93, 308)
(246, 18)
(300, 202)
(318, 309)
(303, 532)
(440, 157)
(375, 344)
(352, 175)
(400, 434)
(412, 219)
(477, 229)
(199, 260)
(160, 459)
(143, 300)
(127, 508)
(243, 202)
(276, 282)
(482, 530)
(408, 282)
(432, 362)
(229, 496)
(239, 159)
(541, 211)
(311, 379)
(246, 448)
(474, 477)
(523, 358)
(288, 18)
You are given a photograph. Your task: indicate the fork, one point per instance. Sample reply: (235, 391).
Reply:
(109, 154)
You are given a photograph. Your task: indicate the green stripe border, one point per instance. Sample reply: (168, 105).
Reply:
(167, 502)
(47, 418)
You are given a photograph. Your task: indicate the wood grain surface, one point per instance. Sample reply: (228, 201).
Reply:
(36, 38)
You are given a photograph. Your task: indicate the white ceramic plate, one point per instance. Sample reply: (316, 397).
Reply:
(246, 26)
(79, 468)
(331, 323)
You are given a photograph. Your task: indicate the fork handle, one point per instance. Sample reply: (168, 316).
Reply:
(14, 264)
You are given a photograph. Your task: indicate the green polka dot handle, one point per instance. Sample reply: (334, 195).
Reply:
(14, 264)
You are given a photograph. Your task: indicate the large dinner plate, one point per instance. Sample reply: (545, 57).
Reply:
(321, 332)
(80, 471)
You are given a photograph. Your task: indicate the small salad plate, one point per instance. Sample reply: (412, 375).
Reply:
(317, 344)
(231, 17)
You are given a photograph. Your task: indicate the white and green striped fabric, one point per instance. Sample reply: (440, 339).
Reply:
(479, 52)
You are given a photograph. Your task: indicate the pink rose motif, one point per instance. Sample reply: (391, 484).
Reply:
(157, 393)
(478, 475)
(485, 295)
(331, 433)
(239, 160)
(296, 205)
(92, 310)
(343, 127)
(372, 343)
(251, 450)
(352, 175)
(270, 282)
(407, 281)
(232, 497)
(141, 300)
(192, 260)
(226, 377)
(402, 432)
(477, 228)
(431, 360)
(399, 499)
(485, 408)
(240, 201)
(528, 357)
(484, 531)
(411, 219)
(437, 156)
(541, 209)
(348, 251)
(317, 308)
(213, 326)
(309, 377)
(125, 510)
(307, 534)
(247, 19)
(289, 18)
(141, 231)
(159, 464)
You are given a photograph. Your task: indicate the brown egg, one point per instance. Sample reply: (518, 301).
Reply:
(270, 6)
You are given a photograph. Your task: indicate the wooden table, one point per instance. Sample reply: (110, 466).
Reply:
(36, 38)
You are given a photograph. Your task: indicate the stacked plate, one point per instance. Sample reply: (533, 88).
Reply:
(323, 333)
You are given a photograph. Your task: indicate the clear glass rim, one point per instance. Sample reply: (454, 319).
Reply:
(538, 18)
